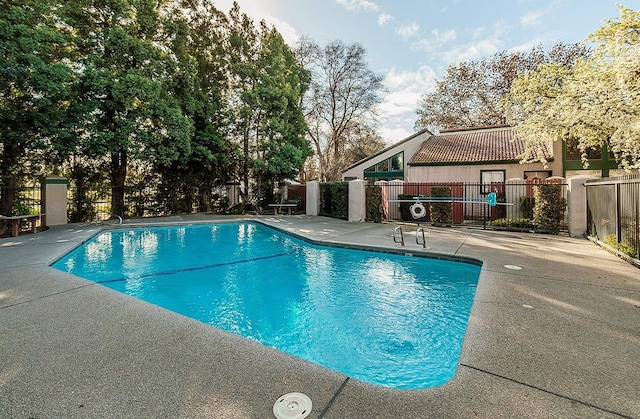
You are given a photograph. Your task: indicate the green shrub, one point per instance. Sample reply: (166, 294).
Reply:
(373, 201)
(513, 223)
(441, 211)
(548, 211)
(334, 200)
(526, 206)
(297, 200)
(612, 241)
(237, 209)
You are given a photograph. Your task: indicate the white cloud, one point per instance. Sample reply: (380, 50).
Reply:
(471, 51)
(408, 31)
(436, 40)
(533, 18)
(288, 32)
(448, 36)
(359, 5)
(384, 18)
(398, 109)
(257, 11)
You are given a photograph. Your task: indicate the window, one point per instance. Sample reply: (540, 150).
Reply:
(387, 169)
(487, 177)
(396, 163)
(573, 153)
(383, 166)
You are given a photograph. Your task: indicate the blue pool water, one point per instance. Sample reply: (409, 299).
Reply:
(391, 320)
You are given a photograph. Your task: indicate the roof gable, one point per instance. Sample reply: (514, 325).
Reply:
(485, 145)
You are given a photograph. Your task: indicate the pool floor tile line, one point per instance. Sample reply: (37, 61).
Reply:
(197, 268)
(553, 393)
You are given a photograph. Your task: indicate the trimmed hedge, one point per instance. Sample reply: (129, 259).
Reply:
(441, 211)
(548, 211)
(373, 201)
(527, 203)
(334, 200)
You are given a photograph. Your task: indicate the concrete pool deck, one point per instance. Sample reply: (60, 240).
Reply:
(559, 337)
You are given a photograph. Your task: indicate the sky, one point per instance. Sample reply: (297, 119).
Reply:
(412, 42)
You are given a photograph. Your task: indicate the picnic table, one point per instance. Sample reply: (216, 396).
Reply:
(278, 207)
(14, 222)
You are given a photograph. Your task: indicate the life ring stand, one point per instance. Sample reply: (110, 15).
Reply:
(417, 210)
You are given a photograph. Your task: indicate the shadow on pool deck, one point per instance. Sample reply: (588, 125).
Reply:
(558, 338)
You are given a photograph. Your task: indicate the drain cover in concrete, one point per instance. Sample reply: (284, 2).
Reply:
(292, 406)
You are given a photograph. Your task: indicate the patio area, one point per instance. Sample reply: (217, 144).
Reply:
(559, 337)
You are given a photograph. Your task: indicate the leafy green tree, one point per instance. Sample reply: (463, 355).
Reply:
(593, 102)
(124, 72)
(199, 78)
(34, 88)
(241, 101)
(470, 93)
(281, 148)
(266, 124)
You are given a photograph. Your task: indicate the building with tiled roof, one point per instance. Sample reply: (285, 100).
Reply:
(480, 145)
(483, 154)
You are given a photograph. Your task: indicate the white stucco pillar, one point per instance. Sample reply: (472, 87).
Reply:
(313, 197)
(54, 197)
(357, 200)
(577, 205)
(514, 189)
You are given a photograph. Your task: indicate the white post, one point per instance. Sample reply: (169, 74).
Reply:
(357, 200)
(313, 197)
(577, 205)
(55, 200)
(515, 188)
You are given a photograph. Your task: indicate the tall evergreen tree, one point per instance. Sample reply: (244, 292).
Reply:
(197, 36)
(34, 88)
(124, 70)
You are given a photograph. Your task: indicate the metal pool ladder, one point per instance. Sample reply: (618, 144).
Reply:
(395, 238)
(424, 243)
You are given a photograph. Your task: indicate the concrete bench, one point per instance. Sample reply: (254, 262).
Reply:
(278, 207)
(14, 222)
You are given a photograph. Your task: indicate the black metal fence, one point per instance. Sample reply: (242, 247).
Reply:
(94, 203)
(22, 200)
(613, 213)
(26, 199)
(470, 203)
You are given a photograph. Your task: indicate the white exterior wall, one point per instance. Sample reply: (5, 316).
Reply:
(409, 146)
(471, 172)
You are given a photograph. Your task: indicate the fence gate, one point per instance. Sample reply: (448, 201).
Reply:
(613, 213)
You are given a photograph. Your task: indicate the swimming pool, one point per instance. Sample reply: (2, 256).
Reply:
(386, 319)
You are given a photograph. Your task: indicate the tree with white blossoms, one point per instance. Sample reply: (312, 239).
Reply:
(593, 103)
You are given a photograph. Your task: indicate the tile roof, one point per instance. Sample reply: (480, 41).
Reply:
(487, 144)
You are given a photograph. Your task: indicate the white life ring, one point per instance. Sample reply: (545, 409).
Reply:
(417, 210)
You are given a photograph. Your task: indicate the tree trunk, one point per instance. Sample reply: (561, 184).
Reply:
(245, 165)
(8, 194)
(118, 177)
